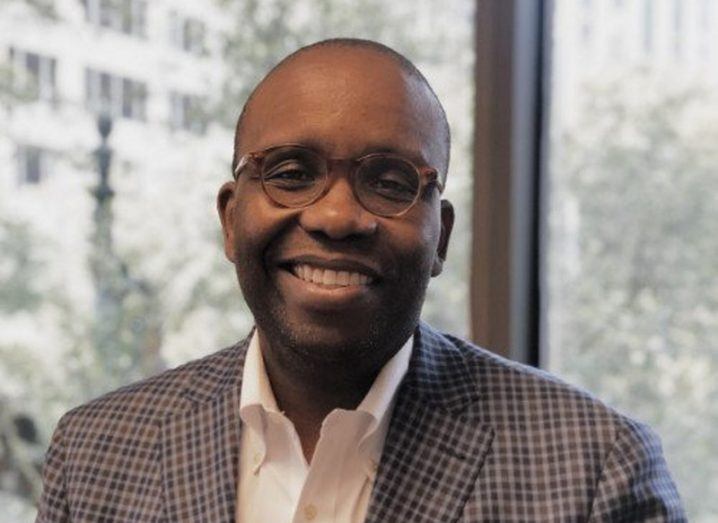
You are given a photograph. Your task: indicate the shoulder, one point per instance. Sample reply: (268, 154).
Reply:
(149, 401)
(576, 453)
(515, 397)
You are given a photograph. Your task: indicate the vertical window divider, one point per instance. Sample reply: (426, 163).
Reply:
(510, 72)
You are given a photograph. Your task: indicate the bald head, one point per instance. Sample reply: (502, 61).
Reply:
(347, 75)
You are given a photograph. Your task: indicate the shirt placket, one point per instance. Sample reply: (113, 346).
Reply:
(328, 482)
(319, 494)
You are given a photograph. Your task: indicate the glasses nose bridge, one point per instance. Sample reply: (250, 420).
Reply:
(336, 168)
(337, 210)
(348, 166)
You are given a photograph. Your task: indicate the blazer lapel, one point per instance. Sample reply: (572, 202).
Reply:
(200, 445)
(435, 446)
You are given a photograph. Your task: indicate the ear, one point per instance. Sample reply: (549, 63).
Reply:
(225, 208)
(447, 224)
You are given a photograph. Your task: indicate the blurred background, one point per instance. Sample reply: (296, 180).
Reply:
(116, 122)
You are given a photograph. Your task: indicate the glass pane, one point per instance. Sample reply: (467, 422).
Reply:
(102, 285)
(632, 276)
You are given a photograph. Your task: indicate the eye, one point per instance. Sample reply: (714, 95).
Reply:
(290, 174)
(390, 180)
(392, 183)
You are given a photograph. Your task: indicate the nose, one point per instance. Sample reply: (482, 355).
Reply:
(338, 214)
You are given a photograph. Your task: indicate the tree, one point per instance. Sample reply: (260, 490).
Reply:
(264, 31)
(169, 282)
(634, 314)
(19, 293)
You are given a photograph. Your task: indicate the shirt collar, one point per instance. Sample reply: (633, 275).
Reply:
(378, 403)
(378, 400)
(257, 399)
(257, 390)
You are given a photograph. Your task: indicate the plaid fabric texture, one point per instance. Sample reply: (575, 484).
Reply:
(473, 437)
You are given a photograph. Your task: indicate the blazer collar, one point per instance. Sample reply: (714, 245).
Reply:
(436, 444)
(439, 373)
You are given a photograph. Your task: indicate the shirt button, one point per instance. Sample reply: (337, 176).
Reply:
(310, 512)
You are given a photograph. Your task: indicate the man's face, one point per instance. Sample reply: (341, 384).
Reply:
(344, 103)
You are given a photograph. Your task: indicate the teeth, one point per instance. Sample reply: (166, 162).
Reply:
(316, 276)
(329, 276)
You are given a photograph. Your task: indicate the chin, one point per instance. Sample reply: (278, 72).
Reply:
(341, 341)
(361, 340)
(331, 340)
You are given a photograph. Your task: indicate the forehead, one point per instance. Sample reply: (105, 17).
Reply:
(345, 101)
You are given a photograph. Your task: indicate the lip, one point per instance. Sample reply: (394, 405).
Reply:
(323, 299)
(310, 296)
(335, 263)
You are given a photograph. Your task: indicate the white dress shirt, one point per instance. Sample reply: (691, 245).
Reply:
(277, 485)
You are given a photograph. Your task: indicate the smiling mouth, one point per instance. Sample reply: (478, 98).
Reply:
(329, 277)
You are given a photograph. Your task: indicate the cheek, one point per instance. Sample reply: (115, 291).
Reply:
(417, 239)
(257, 224)
(428, 227)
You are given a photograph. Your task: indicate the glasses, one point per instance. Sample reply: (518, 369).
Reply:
(296, 176)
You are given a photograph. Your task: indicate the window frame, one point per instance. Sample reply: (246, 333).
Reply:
(119, 96)
(510, 129)
(32, 164)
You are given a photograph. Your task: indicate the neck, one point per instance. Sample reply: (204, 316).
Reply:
(308, 393)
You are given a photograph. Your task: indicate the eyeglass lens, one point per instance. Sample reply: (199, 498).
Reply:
(296, 176)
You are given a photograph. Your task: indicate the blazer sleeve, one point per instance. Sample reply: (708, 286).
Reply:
(53, 507)
(635, 484)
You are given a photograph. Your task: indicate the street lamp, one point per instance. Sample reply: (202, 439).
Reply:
(127, 331)
(103, 153)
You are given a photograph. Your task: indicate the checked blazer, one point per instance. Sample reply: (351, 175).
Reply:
(473, 437)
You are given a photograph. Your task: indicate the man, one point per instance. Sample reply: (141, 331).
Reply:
(341, 406)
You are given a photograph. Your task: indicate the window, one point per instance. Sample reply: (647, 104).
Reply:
(91, 328)
(631, 311)
(187, 112)
(187, 34)
(115, 95)
(126, 16)
(32, 164)
(34, 75)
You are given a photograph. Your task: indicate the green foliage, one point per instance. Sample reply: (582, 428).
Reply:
(15, 90)
(19, 269)
(636, 312)
(42, 8)
(264, 31)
